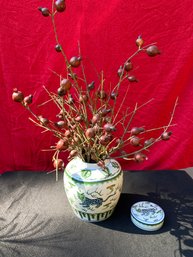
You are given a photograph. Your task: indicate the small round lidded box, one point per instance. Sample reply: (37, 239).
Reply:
(147, 215)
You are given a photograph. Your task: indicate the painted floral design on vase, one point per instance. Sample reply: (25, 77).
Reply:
(93, 193)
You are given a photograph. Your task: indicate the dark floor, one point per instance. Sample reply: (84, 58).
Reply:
(36, 220)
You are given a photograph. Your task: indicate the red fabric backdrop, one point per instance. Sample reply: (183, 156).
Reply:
(107, 30)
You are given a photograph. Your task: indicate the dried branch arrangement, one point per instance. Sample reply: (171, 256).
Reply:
(88, 115)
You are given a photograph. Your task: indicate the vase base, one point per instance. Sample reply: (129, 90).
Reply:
(94, 217)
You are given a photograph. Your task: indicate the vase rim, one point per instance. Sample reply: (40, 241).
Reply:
(85, 172)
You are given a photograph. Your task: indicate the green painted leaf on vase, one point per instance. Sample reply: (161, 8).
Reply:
(81, 196)
(115, 164)
(85, 173)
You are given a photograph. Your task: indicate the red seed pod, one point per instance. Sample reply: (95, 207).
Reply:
(110, 136)
(67, 133)
(132, 78)
(28, 99)
(140, 157)
(61, 91)
(62, 144)
(95, 118)
(149, 142)
(44, 121)
(101, 164)
(75, 61)
(120, 71)
(128, 66)
(108, 127)
(104, 140)
(90, 133)
(79, 118)
(17, 96)
(91, 86)
(152, 51)
(166, 135)
(58, 48)
(139, 41)
(61, 124)
(102, 94)
(83, 98)
(137, 130)
(45, 11)
(96, 128)
(105, 111)
(60, 5)
(113, 95)
(58, 164)
(135, 141)
(72, 153)
(65, 84)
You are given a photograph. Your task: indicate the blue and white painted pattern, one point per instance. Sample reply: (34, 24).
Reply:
(147, 215)
(92, 193)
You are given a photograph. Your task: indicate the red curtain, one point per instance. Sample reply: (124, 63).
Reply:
(107, 31)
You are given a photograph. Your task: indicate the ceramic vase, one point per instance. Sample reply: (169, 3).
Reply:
(93, 192)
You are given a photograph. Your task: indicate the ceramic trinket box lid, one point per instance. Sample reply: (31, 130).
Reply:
(147, 215)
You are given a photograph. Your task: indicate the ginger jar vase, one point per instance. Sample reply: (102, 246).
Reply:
(92, 192)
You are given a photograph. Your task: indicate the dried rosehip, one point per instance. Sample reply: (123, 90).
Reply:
(95, 118)
(128, 66)
(28, 99)
(132, 78)
(101, 164)
(67, 133)
(44, 121)
(149, 142)
(102, 94)
(17, 96)
(61, 91)
(58, 164)
(139, 41)
(62, 144)
(152, 50)
(83, 98)
(166, 135)
(96, 128)
(91, 86)
(105, 111)
(58, 48)
(72, 153)
(60, 5)
(45, 11)
(120, 71)
(135, 141)
(140, 157)
(108, 127)
(104, 140)
(65, 84)
(136, 130)
(75, 61)
(61, 124)
(113, 95)
(79, 118)
(90, 133)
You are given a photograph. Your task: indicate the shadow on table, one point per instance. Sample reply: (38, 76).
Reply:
(177, 203)
(32, 234)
